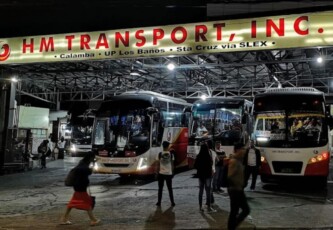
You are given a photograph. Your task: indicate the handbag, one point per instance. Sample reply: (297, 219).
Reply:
(93, 199)
(70, 179)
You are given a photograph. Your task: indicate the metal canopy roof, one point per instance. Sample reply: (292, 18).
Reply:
(223, 74)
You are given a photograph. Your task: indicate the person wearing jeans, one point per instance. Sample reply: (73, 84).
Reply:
(204, 164)
(165, 172)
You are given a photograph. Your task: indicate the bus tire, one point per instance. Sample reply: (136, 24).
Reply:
(264, 179)
(322, 181)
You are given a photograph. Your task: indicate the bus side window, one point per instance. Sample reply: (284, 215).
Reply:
(155, 135)
(260, 126)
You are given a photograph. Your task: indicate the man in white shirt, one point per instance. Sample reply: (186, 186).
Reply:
(201, 130)
(165, 172)
(252, 163)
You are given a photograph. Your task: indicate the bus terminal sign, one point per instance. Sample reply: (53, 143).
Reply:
(278, 32)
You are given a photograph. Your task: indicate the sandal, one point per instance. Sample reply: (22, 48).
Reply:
(66, 223)
(94, 223)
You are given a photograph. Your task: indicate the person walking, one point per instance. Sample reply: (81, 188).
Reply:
(236, 188)
(43, 149)
(220, 155)
(252, 163)
(61, 146)
(81, 199)
(165, 172)
(204, 166)
(214, 158)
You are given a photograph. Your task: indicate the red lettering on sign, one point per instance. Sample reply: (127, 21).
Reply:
(84, 41)
(297, 22)
(102, 41)
(157, 35)
(69, 41)
(183, 34)
(125, 40)
(138, 36)
(278, 29)
(200, 32)
(28, 45)
(46, 45)
(219, 27)
(253, 29)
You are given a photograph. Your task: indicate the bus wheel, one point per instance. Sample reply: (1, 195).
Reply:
(264, 179)
(322, 181)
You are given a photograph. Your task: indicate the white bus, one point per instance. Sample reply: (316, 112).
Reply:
(129, 130)
(226, 119)
(291, 131)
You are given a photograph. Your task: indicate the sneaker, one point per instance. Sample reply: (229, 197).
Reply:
(66, 222)
(220, 190)
(94, 223)
(158, 204)
(173, 204)
(210, 210)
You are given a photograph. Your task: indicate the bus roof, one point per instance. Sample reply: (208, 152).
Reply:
(291, 91)
(222, 100)
(148, 96)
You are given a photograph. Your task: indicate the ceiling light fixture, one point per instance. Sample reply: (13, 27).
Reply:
(319, 59)
(133, 73)
(13, 79)
(171, 66)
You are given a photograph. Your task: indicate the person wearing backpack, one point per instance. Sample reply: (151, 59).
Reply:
(165, 172)
(236, 188)
(42, 151)
(81, 199)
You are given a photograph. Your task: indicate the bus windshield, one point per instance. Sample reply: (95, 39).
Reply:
(123, 125)
(82, 130)
(221, 121)
(290, 123)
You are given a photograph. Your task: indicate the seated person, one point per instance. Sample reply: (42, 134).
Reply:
(313, 125)
(201, 130)
(297, 124)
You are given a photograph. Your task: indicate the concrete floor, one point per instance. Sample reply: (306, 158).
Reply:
(37, 199)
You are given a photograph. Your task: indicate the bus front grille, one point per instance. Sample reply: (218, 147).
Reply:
(287, 167)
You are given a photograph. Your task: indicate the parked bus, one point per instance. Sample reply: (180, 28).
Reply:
(291, 131)
(129, 130)
(226, 119)
(81, 133)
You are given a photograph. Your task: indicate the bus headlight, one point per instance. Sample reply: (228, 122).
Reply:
(73, 148)
(320, 157)
(262, 139)
(143, 163)
(95, 167)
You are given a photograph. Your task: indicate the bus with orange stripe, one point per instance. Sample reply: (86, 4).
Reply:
(129, 130)
(292, 133)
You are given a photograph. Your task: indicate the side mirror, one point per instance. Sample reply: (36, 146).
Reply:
(151, 110)
(187, 109)
(244, 119)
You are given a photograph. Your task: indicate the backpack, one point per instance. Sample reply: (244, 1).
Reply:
(71, 176)
(172, 155)
(224, 180)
